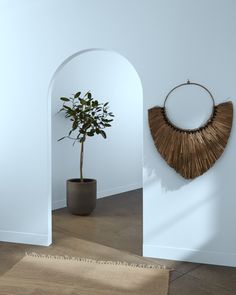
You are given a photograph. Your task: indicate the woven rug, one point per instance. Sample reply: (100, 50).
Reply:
(61, 275)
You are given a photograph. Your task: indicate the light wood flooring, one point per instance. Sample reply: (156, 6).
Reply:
(117, 224)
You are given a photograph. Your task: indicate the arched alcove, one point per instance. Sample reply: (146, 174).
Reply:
(116, 162)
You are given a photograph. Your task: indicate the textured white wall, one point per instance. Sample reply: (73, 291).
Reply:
(116, 162)
(167, 42)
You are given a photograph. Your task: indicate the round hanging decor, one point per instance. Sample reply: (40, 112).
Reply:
(191, 152)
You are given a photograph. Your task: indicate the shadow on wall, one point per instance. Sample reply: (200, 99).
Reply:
(117, 161)
(157, 168)
(194, 217)
(188, 106)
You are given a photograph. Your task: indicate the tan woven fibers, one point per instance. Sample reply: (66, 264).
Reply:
(192, 152)
(62, 275)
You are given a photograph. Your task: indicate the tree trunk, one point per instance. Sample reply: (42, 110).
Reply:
(81, 161)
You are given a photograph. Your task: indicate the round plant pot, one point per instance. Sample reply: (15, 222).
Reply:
(81, 196)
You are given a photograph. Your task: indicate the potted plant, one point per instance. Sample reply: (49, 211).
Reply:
(88, 118)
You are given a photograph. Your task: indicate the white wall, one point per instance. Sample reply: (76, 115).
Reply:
(192, 220)
(36, 37)
(167, 42)
(116, 162)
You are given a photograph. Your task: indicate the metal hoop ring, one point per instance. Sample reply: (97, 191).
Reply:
(185, 84)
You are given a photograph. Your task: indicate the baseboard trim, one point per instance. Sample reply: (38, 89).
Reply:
(118, 190)
(58, 204)
(190, 255)
(25, 238)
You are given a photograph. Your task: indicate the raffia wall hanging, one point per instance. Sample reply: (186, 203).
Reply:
(191, 152)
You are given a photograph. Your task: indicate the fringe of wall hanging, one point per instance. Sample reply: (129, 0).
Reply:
(191, 152)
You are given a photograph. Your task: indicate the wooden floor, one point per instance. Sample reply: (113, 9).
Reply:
(117, 224)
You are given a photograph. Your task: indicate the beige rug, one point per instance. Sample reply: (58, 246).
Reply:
(62, 275)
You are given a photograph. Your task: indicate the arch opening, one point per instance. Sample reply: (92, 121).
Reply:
(116, 162)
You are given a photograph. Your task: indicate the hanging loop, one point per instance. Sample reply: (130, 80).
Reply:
(190, 83)
(186, 84)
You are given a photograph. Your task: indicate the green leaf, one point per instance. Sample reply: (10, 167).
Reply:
(64, 99)
(89, 95)
(95, 103)
(75, 125)
(66, 107)
(77, 94)
(60, 110)
(70, 112)
(78, 108)
(103, 134)
(107, 125)
(106, 120)
(105, 104)
(61, 138)
(82, 101)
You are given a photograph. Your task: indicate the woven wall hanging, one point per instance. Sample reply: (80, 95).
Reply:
(191, 152)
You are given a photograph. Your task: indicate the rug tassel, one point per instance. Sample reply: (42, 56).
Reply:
(88, 260)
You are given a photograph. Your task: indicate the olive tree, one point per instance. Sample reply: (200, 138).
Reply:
(88, 117)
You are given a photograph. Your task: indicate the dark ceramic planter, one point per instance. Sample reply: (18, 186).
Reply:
(81, 196)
